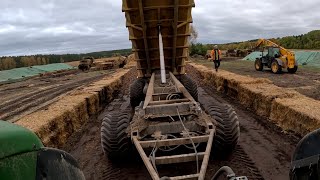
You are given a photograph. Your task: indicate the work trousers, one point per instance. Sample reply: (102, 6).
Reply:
(216, 64)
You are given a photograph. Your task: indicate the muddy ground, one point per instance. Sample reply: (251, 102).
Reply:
(22, 98)
(263, 151)
(306, 80)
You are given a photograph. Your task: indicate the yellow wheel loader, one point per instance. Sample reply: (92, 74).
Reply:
(277, 58)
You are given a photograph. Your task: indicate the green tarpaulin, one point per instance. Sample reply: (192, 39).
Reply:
(303, 57)
(17, 74)
(53, 67)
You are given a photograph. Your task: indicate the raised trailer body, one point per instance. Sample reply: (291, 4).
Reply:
(143, 19)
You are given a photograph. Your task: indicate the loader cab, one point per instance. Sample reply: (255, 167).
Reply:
(268, 54)
(273, 52)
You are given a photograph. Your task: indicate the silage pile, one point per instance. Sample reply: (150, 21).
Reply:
(287, 108)
(311, 58)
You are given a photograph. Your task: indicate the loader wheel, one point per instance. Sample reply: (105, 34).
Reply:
(136, 92)
(114, 140)
(275, 67)
(190, 85)
(227, 129)
(293, 70)
(258, 65)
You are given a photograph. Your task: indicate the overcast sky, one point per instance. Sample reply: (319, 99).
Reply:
(78, 26)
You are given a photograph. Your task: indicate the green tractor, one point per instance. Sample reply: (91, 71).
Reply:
(23, 156)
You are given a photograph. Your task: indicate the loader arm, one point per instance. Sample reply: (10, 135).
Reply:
(286, 55)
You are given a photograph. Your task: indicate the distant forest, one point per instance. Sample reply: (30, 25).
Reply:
(11, 62)
(310, 40)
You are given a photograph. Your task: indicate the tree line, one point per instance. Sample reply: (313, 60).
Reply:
(311, 40)
(10, 62)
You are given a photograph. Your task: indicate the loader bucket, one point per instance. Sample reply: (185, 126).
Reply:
(306, 158)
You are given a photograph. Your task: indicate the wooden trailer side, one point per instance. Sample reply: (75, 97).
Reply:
(143, 18)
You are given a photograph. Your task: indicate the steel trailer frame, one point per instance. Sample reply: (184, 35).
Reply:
(151, 113)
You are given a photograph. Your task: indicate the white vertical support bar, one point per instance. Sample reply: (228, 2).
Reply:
(162, 64)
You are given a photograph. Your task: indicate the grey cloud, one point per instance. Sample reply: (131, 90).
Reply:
(73, 26)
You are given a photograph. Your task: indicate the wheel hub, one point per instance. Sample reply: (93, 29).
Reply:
(274, 67)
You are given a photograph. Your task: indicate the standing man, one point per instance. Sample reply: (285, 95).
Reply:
(215, 54)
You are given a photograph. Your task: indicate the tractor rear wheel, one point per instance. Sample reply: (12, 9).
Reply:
(293, 70)
(227, 129)
(258, 65)
(136, 92)
(190, 85)
(275, 67)
(115, 141)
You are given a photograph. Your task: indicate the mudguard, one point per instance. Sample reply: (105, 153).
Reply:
(306, 158)
(23, 156)
(54, 164)
(280, 62)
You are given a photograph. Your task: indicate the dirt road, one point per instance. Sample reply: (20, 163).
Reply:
(306, 80)
(22, 98)
(263, 151)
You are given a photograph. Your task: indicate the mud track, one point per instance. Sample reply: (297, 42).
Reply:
(22, 99)
(263, 151)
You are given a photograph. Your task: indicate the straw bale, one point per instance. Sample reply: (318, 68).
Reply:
(93, 103)
(59, 120)
(259, 97)
(286, 107)
(300, 114)
(131, 58)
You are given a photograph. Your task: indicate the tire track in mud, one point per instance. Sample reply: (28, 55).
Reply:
(124, 172)
(22, 105)
(240, 158)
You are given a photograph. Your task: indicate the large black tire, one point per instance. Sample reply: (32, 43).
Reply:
(275, 67)
(293, 70)
(190, 85)
(258, 65)
(227, 129)
(115, 142)
(136, 92)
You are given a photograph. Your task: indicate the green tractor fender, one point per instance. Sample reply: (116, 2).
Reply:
(23, 156)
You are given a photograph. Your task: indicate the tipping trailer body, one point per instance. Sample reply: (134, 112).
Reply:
(164, 115)
(143, 19)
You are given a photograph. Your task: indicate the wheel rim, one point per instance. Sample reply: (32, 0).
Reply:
(257, 66)
(274, 67)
